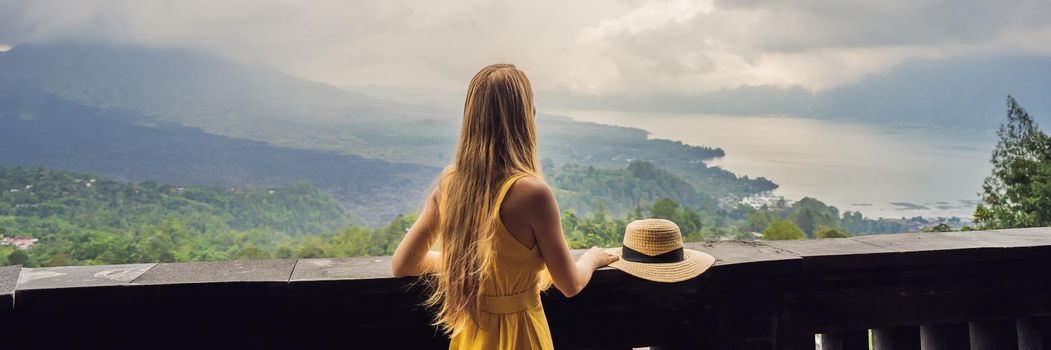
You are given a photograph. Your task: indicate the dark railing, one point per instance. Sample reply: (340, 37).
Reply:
(960, 290)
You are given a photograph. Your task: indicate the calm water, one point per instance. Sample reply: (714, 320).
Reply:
(882, 171)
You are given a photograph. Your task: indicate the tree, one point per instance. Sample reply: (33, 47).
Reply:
(569, 221)
(831, 232)
(61, 259)
(852, 221)
(783, 230)
(1018, 192)
(18, 257)
(284, 252)
(636, 213)
(806, 219)
(943, 227)
(311, 251)
(810, 213)
(251, 252)
(665, 208)
(759, 219)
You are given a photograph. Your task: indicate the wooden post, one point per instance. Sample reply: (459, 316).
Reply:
(994, 335)
(945, 337)
(1034, 333)
(850, 340)
(900, 338)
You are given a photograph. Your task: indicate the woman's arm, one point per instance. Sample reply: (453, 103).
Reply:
(413, 256)
(568, 276)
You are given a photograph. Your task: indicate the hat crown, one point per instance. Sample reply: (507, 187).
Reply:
(652, 236)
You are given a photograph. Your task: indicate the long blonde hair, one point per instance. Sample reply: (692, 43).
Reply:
(497, 140)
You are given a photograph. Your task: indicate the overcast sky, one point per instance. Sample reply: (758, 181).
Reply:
(584, 47)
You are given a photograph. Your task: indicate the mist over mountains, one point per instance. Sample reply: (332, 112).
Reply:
(183, 85)
(37, 128)
(181, 117)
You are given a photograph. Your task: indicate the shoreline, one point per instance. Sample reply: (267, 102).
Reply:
(936, 140)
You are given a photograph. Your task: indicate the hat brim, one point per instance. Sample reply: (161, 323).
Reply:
(694, 263)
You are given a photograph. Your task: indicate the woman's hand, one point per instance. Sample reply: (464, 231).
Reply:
(597, 257)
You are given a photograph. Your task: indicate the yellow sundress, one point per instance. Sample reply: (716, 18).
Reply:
(512, 316)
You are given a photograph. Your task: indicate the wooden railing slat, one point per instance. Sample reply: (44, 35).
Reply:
(898, 338)
(994, 335)
(945, 337)
(847, 340)
(1034, 333)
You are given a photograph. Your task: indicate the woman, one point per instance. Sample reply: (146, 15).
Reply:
(498, 225)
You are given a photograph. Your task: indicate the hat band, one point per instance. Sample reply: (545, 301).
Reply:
(632, 255)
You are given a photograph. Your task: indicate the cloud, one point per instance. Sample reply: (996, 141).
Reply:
(816, 45)
(652, 15)
(585, 47)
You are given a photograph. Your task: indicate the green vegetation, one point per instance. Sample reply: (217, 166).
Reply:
(832, 232)
(81, 218)
(624, 190)
(85, 219)
(940, 228)
(783, 230)
(98, 203)
(1018, 193)
(135, 113)
(599, 229)
(814, 217)
(376, 157)
(810, 213)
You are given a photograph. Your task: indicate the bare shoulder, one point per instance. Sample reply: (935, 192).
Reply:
(528, 202)
(530, 189)
(528, 193)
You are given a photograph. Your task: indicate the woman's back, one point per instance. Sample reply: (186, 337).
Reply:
(494, 246)
(512, 316)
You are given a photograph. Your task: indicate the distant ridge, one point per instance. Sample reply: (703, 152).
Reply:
(37, 128)
(960, 92)
(179, 117)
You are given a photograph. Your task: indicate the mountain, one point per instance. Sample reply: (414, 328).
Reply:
(967, 92)
(37, 128)
(963, 92)
(184, 86)
(183, 117)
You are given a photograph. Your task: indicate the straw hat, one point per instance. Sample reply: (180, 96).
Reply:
(653, 251)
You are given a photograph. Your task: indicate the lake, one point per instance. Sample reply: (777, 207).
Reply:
(879, 170)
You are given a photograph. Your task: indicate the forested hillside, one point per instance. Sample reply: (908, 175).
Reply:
(163, 89)
(621, 191)
(563, 142)
(96, 202)
(37, 128)
(81, 218)
(169, 168)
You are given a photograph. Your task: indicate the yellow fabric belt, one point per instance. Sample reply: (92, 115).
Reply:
(511, 303)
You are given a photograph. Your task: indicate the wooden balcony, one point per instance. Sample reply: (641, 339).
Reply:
(960, 290)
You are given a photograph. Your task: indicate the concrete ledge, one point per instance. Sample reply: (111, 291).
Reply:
(758, 295)
(80, 276)
(218, 272)
(8, 281)
(358, 268)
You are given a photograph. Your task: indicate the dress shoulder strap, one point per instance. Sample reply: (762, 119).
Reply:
(506, 186)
